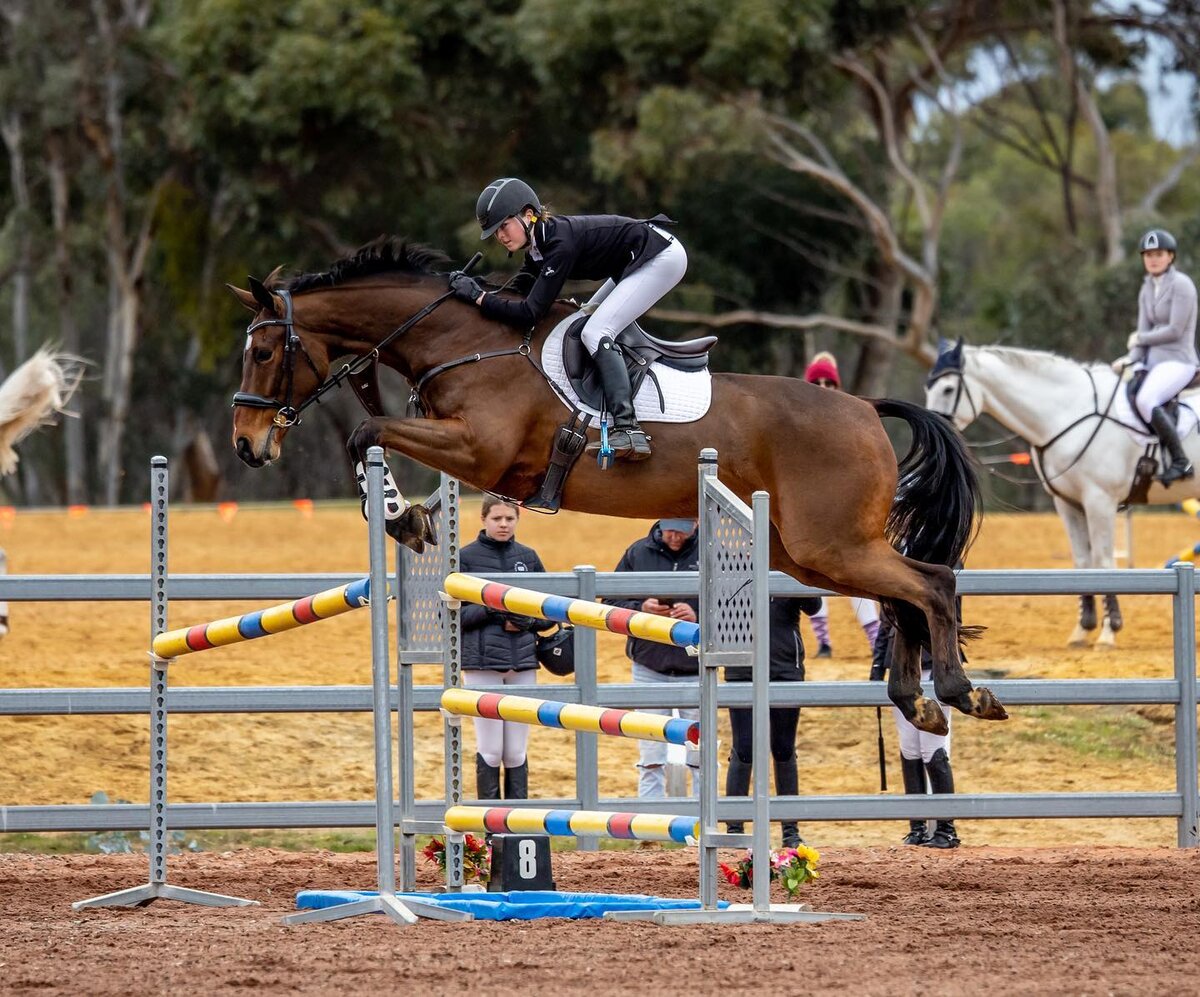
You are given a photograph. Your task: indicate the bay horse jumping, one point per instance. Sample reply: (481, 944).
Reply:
(838, 519)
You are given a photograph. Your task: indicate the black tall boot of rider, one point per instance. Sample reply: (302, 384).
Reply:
(516, 782)
(914, 785)
(737, 783)
(626, 437)
(787, 783)
(1180, 467)
(487, 780)
(941, 780)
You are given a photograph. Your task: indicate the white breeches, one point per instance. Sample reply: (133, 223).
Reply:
(636, 294)
(501, 742)
(1163, 382)
(866, 610)
(917, 743)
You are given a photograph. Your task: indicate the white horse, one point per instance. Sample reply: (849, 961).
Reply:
(1084, 439)
(31, 396)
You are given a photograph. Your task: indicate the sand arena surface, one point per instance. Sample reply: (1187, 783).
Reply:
(1030, 921)
(328, 756)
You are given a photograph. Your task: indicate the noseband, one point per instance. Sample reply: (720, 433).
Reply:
(286, 414)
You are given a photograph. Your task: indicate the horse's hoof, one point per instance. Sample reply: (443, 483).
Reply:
(1078, 637)
(929, 717)
(986, 706)
(414, 529)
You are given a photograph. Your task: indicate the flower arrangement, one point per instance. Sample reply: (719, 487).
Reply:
(793, 867)
(477, 856)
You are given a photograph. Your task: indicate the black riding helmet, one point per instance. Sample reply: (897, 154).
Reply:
(500, 200)
(1157, 238)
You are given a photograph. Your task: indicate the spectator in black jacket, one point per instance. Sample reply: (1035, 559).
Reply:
(641, 261)
(787, 665)
(499, 649)
(669, 546)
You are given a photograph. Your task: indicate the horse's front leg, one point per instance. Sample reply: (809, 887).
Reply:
(1076, 524)
(1102, 525)
(429, 441)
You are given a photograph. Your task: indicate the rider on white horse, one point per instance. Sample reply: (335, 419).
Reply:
(1164, 345)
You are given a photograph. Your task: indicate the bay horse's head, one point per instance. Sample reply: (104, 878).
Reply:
(948, 388)
(280, 371)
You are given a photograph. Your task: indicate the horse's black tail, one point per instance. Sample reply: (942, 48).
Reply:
(933, 517)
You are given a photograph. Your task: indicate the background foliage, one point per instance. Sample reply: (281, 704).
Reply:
(903, 170)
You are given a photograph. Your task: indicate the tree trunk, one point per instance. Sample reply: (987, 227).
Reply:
(68, 329)
(13, 132)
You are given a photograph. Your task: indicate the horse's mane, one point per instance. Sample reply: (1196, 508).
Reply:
(388, 254)
(1034, 360)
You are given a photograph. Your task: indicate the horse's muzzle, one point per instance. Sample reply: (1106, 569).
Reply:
(246, 452)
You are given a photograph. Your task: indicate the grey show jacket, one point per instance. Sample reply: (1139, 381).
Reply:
(1166, 328)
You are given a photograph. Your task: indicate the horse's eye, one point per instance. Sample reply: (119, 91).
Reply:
(947, 389)
(262, 355)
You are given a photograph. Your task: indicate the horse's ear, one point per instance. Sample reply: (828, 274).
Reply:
(245, 297)
(261, 294)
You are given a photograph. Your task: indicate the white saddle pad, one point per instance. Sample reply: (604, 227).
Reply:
(1185, 423)
(686, 394)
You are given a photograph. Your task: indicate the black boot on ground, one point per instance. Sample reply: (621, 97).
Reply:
(516, 782)
(1180, 467)
(914, 785)
(487, 780)
(626, 436)
(941, 780)
(737, 783)
(787, 783)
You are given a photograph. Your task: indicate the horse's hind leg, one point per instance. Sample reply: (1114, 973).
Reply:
(904, 675)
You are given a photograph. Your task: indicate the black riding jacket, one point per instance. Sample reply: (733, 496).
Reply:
(651, 554)
(575, 247)
(787, 649)
(485, 643)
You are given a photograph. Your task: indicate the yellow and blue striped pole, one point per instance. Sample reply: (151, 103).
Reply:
(595, 615)
(570, 716)
(574, 823)
(277, 619)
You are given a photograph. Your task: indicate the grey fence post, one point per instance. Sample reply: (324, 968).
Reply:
(1184, 614)
(708, 687)
(158, 887)
(452, 679)
(587, 748)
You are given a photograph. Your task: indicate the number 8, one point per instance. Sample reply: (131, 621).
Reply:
(527, 858)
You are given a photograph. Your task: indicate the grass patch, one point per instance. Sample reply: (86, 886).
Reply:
(1108, 732)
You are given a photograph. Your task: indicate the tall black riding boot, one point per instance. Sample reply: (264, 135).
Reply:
(914, 785)
(787, 783)
(516, 782)
(941, 780)
(487, 780)
(1180, 467)
(737, 783)
(626, 437)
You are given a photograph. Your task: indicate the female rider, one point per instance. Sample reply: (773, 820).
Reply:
(642, 260)
(1164, 344)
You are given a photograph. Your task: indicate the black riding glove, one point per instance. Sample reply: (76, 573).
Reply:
(465, 287)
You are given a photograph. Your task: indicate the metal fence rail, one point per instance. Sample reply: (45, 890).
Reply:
(1180, 692)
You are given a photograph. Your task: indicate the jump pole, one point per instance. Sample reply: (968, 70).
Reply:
(570, 716)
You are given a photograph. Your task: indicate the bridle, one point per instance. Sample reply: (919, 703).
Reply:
(961, 391)
(287, 414)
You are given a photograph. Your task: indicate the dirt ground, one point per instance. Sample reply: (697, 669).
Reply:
(1027, 921)
(328, 756)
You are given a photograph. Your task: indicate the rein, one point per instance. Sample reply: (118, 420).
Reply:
(288, 415)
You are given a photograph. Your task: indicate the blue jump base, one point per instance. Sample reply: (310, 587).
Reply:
(519, 905)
